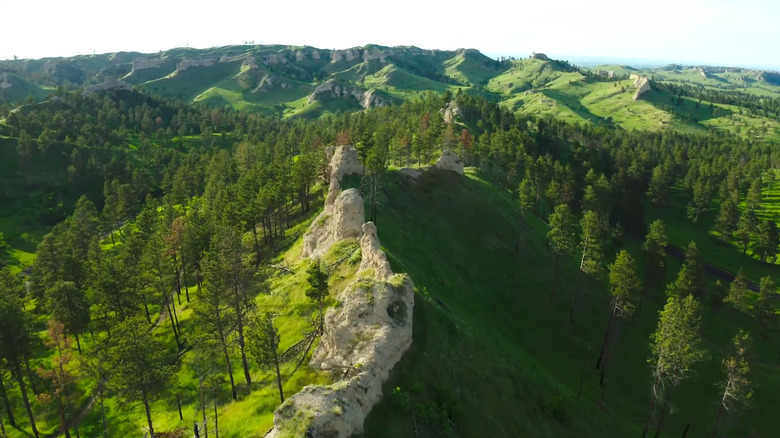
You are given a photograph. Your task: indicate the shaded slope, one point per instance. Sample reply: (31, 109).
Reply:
(493, 351)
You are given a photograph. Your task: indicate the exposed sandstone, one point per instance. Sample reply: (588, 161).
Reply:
(642, 83)
(344, 161)
(338, 221)
(5, 81)
(364, 336)
(145, 63)
(451, 111)
(336, 89)
(200, 62)
(449, 160)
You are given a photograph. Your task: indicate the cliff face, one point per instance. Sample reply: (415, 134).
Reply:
(335, 89)
(365, 335)
(642, 83)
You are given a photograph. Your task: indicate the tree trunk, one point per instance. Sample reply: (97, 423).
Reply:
(257, 246)
(148, 414)
(650, 413)
(279, 378)
(173, 326)
(8, 410)
(216, 417)
(3, 433)
(23, 389)
(607, 336)
(717, 420)
(176, 276)
(78, 342)
(202, 404)
(241, 347)
(178, 404)
(184, 272)
(230, 373)
(63, 423)
(102, 410)
(664, 409)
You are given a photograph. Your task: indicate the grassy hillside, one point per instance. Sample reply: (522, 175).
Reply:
(494, 353)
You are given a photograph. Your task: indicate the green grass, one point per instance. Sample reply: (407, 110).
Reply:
(493, 345)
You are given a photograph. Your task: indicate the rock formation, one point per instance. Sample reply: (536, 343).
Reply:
(343, 161)
(449, 160)
(200, 62)
(107, 85)
(336, 89)
(144, 63)
(364, 336)
(451, 111)
(642, 83)
(540, 56)
(5, 81)
(338, 221)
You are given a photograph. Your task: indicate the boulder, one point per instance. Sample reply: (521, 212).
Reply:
(5, 81)
(449, 160)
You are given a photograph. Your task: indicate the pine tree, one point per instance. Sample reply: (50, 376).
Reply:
(676, 348)
(318, 290)
(562, 237)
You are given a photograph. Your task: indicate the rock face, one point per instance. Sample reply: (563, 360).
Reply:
(4, 81)
(109, 84)
(338, 221)
(344, 161)
(144, 63)
(641, 83)
(200, 62)
(451, 111)
(540, 56)
(449, 160)
(335, 89)
(364, 337)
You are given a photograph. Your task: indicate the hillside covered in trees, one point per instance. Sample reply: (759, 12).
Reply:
(579, 279)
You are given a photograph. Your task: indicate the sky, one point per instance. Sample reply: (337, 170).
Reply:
(713, 32)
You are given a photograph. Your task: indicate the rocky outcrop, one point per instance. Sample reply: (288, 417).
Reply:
(200, 62)
(271, 82)
(145, 63)
(5, 82)
(642, 83)
(364, 336)
(343, 161)
(451, 111)
(336, 89)
(340, 220)
(412, 173)
(540, 56)
(373, 258)
(110, 84)
(449, 160)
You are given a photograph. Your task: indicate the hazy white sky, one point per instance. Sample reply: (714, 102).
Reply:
(733, 32)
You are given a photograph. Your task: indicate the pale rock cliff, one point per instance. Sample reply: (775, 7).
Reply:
(335, 89)
(200, 62)
(364, 336)
(5, 81)
(642, 83)
(145, 63)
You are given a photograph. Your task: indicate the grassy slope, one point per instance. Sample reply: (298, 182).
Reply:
(252, 414)
(491, 340)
